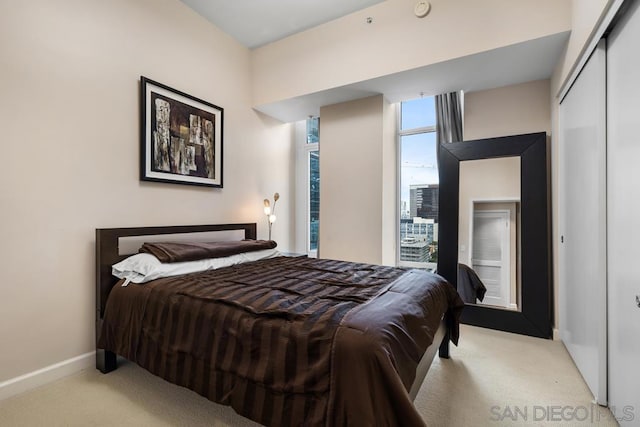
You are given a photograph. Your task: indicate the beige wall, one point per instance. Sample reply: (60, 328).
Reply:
(347, 50)
(355, 180)
(509, 110)
(69, 108)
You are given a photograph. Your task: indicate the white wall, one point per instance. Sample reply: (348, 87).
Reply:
(69, 114)
(347, 50)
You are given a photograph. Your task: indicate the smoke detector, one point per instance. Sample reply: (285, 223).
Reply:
(422, 9)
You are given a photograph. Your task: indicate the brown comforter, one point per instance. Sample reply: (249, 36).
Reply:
(287, 341)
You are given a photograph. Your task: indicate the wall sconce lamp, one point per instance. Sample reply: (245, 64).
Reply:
(270, 211)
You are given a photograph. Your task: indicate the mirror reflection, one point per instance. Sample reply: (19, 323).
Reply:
(489, 261)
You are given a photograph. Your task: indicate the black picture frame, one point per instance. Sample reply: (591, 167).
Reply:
(181, 138)
(535, 317)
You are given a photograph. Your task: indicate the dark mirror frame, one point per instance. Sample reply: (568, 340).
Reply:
(535, 315)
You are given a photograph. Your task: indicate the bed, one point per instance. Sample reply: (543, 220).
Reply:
(284, 340)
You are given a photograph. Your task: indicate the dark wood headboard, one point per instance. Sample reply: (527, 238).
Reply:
(108, 253)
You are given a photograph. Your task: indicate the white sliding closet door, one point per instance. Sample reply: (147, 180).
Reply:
(583, 250)
(623, 189)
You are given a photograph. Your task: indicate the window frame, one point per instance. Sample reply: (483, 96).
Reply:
(400, 133)
(303, 191)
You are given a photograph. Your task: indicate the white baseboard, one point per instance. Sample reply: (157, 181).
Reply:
(46, 375)
(556, 334)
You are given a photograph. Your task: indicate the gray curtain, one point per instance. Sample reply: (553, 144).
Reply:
(449, 117)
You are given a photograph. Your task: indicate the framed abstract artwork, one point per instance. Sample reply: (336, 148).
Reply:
(181, 137)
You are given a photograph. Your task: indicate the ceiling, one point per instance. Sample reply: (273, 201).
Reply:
(257, 22)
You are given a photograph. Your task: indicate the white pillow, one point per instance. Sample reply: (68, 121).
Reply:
(141, 268)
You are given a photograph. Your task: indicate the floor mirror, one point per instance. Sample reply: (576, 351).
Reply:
(494, 231)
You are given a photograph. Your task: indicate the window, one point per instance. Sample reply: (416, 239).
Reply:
(313, 140)
(419, 184)
(313, 130)
(308, 185)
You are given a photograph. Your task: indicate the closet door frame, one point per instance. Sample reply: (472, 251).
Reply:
(582, 257)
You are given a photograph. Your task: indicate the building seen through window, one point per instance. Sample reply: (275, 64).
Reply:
(313, 139)
(314, 199)
(419, 184)
(313, 130)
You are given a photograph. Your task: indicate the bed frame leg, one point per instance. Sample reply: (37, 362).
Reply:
(444, 346)
(106, 361)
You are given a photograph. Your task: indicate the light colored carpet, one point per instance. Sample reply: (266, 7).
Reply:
(492, 379)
